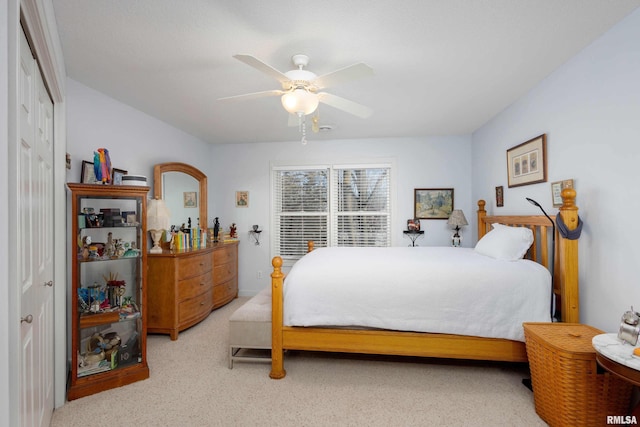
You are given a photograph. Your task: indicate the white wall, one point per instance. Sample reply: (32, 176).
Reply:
(590, 111)
(135, 140)
(430, 162)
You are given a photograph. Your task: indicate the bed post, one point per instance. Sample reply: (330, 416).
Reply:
(568, 253)
(277, 356)
(482, 227)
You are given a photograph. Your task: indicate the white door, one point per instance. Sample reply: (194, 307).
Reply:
(34, 201)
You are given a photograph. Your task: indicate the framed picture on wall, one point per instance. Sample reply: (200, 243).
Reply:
(556, 191)
(499, 196)
(242, 199)
(527, 162)
(433, 203)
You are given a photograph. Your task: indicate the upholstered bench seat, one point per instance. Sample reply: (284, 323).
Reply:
(250, 329)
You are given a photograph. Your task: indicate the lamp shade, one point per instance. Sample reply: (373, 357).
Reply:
(457, 219)
(158, 216)
(300, 101)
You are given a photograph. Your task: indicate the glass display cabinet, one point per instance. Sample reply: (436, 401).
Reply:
(108, 287)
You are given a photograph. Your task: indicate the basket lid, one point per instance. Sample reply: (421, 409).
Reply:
(567, 337)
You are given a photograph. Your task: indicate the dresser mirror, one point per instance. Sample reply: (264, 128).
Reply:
(184, 190)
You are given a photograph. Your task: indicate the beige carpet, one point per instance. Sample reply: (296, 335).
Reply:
(191, 385)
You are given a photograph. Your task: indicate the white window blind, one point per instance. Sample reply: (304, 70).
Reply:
(343, 205)
(362, 206)
(301, 210)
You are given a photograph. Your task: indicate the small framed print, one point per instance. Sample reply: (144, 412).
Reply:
(87, 175)
(433, 203)
(499, 196)
(190, 199)
(556, 191)
(242, 199)
(413, 224)
(527, 162)
(116, 176)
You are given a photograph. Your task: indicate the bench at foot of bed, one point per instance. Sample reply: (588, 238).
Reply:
(250, 330)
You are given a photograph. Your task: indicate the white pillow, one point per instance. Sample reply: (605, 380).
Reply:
(505, 243)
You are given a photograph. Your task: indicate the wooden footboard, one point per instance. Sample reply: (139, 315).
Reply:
(438, 345)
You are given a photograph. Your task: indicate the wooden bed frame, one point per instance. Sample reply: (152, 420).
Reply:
(439, 345)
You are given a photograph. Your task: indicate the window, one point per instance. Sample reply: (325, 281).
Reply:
(331, 205)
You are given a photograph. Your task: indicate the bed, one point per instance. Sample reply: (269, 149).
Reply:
(335, 335)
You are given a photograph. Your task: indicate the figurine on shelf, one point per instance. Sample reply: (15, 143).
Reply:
(216, 229)
(172, 242)
(102, 165)
(232, 232)
(86, 242)
(110, 249)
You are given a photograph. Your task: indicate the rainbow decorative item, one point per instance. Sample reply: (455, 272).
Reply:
(102, 165)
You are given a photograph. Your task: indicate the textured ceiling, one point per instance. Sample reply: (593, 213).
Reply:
(441, 67)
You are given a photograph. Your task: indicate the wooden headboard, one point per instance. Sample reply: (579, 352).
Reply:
(565, 265)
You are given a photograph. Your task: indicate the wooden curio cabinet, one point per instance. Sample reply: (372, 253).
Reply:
(108, 249)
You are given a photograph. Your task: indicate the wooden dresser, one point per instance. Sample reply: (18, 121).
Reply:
(183, 287)
(225, 273)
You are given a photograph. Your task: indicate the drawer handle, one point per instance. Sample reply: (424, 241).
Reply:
(202, 303)
(202, 284)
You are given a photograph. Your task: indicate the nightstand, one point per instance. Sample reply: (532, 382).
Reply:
(617, 357)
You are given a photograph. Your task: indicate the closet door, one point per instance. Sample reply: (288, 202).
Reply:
(34, 204)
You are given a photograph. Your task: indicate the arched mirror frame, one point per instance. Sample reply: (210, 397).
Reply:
(161, 168)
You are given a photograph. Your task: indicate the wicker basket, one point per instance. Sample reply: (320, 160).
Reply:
(569, 389)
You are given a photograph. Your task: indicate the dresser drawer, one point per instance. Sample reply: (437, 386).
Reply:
(225, 255)
(189, 288)
(225, 292)
(224, 272)
(193, 265)
(195, 307)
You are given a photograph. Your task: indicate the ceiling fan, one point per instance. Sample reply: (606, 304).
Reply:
(301, 89)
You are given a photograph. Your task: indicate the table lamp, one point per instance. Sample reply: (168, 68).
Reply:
(457, 220)
(158, 220)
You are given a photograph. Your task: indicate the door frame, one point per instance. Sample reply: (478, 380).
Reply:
(38, 19)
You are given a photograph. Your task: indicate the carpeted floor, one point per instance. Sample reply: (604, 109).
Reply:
(191, 385)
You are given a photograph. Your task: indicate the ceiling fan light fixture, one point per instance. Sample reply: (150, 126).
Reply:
(300, 101)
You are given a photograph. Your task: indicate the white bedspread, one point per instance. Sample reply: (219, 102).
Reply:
(424, 289)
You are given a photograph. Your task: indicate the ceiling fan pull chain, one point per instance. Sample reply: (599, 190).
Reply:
(303, 125)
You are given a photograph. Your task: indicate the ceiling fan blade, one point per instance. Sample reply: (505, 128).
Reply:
(345, 105)
(352, 72)
(259, 65)
(253, 95)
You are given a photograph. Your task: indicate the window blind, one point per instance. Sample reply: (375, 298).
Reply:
(362, 214)
(333, 206)
(301, 210)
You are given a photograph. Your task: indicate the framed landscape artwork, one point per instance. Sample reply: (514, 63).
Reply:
(433, 203)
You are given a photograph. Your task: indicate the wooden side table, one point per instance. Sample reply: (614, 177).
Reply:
(616, 357)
